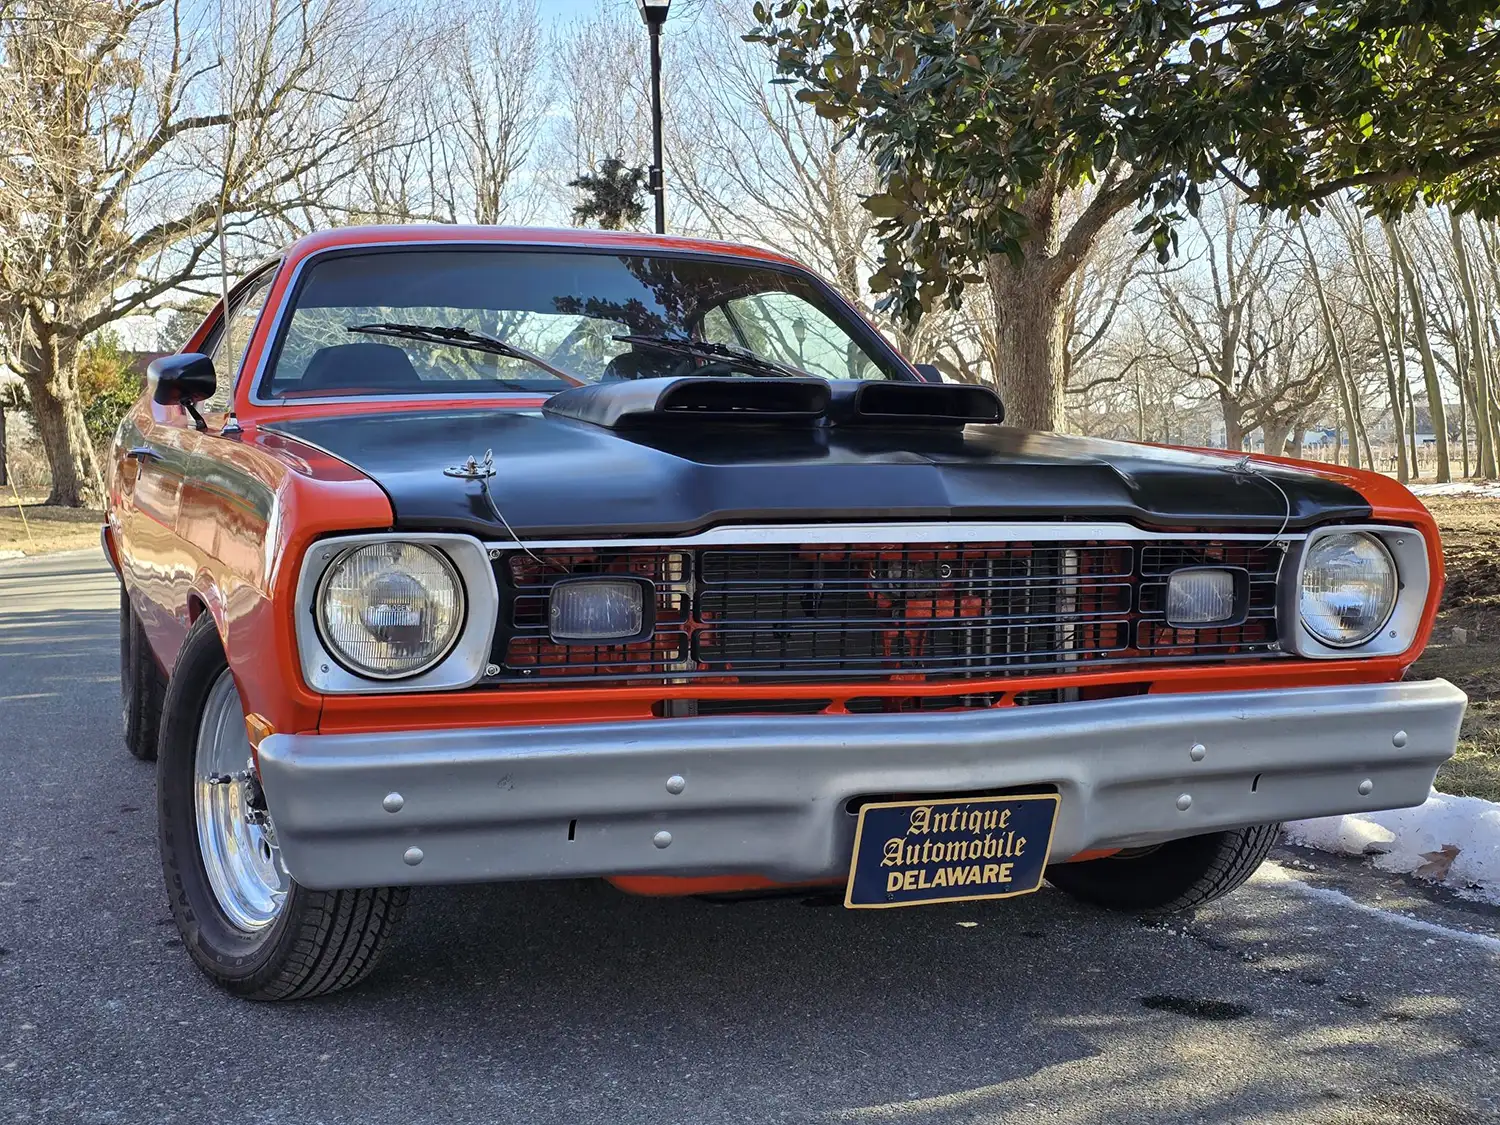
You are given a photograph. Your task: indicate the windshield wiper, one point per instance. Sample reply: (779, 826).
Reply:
(464, 338)
(705, 349)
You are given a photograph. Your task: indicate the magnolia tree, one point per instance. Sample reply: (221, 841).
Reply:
(983, 117)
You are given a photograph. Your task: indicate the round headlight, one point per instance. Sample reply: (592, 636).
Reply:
(389, 610)
(1348, 588)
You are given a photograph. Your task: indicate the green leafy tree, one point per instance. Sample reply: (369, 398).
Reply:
(108, 385)
(612, 196)
(982, 115)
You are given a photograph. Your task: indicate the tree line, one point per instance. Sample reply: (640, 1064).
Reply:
(1206, 220)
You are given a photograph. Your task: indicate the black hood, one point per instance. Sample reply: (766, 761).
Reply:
(559, 477)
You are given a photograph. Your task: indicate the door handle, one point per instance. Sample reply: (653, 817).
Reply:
(143, 453)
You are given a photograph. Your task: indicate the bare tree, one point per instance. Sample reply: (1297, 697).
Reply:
(125, 132)
(602, 98)
(1334, 311)
(489, 110)
(1482, 360)
(759, 166)
(1239, 321)
(1096, 294)
(1436, 411)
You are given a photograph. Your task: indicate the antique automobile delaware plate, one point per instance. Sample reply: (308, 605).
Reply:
(907, 853)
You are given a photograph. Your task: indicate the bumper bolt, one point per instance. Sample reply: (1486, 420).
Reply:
(662, 838)
(1198, 752)
(413, 856)
(1366, 787)
(1185, 802)
(492, 670)
(1398, 739)
(676, 783)
(393, 802)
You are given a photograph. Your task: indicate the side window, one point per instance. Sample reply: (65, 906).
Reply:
(717, 329)
(231, 341)
(784, 327)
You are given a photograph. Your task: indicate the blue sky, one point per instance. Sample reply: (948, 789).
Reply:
(556, 12)
(562, 10)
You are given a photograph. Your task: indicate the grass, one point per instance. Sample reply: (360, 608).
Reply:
(1471, 657)
(44, 528)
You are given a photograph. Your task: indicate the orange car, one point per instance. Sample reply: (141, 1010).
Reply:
(479, 554)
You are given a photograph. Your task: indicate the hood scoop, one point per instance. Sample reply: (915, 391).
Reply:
(645, 403)
(664, 402)
(915, 404)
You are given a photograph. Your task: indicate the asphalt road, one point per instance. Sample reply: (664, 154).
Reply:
(1338, 995)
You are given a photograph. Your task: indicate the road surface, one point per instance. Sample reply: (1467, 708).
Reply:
(1334, 995)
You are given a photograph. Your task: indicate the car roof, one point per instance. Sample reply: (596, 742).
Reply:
(585, 239)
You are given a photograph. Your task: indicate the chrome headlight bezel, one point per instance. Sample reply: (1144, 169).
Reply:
(1407, 549)
(1380, 613)
(461, 665)
(348, 661)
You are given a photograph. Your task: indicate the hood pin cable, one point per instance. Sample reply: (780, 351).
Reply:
(1245, 470)
(482, 471)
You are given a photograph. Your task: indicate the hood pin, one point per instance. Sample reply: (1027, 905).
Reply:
(473, 469)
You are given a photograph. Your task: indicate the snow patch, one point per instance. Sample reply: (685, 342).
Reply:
(1403, 840)
(1273, 874)
(1485, 488)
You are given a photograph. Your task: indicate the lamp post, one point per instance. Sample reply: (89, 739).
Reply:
(654, 13)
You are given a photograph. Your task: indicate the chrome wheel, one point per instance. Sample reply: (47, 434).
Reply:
(235, 836)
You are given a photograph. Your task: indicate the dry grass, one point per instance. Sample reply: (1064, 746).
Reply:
(1471, 548)
(51, 529)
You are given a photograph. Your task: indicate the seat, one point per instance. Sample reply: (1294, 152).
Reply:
(640, 363)
(359, 366)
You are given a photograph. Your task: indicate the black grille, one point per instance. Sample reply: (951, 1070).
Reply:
(878, 610)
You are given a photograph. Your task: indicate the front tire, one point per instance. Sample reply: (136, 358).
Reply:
(250, 927)
(1176, 876)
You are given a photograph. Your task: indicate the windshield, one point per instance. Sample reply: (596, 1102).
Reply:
(467, 321)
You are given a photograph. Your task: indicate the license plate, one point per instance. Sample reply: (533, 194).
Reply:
(907, 853)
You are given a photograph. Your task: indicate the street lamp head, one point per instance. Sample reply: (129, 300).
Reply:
(654, 12)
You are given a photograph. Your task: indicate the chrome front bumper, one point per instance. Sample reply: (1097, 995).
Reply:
(769, 794)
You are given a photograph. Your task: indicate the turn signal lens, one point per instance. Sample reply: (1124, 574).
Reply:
(1348, 588)
(390, 610)
(1200, 596)
(597, 610)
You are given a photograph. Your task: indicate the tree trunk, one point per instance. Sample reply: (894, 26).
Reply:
(1389, 343)
(50, 371)
(1341, 373)
(1028, 343)
(1478, 352)
(1435, 409)
(4, 457)
(1276, 431)
(1234, 430)
(1414, 449)
(1461, 377)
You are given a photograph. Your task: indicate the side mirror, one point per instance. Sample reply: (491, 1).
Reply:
(182, 380)
(929, 372)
